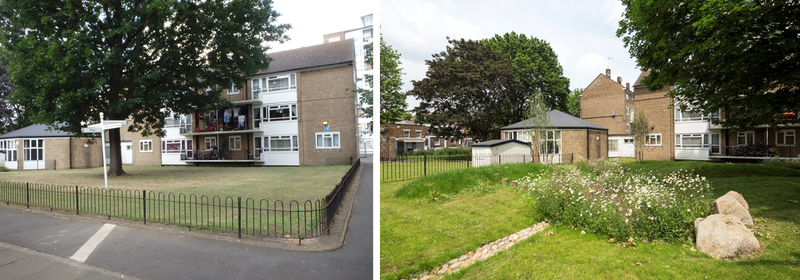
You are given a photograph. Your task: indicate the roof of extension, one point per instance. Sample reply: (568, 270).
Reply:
(312, 56)
(35, 131)
(492, 143)
(559, 120)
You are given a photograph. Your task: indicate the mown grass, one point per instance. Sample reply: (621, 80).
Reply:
(418, 235)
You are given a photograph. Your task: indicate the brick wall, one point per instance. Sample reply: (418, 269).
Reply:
(86, 157)
(324, 95)
(656, 107)
(139, 157)
(600, 98)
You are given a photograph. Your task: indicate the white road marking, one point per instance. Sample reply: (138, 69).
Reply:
(83, 253)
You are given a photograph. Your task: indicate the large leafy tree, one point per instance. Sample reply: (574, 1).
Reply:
(470, 86)
(537, 66)
(365, 98)
(574, 102)
(12, 117)
(393, 100)
(740, 56)
(71, 60)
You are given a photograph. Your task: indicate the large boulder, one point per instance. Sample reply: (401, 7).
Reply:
(734, 204)
(724, 236)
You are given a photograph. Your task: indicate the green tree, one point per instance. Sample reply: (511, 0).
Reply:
(470, 86)
(536, 64)
(71, 60)
(574, 102)
(393, 101)
(738, 56)
(12, 117)
(539, 126)
(639, 129)
(365, 96)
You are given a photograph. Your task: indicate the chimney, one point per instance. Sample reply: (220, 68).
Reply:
(628, 86)
(608, 72)
(619, 80)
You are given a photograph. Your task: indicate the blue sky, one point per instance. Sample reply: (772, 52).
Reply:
(582, 33)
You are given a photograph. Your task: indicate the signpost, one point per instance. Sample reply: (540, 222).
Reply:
(100, 128)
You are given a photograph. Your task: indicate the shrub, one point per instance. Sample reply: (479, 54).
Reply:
(788, 163)
(4, 169)
(609, 200)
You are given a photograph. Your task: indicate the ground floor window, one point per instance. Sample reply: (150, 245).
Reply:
(327, 140)
(551, 142)
(177, 146)
(745, 138)
(145, 146)
(653, 140)
(613, 145)
(708, 140)
(10, 147)
(784, 138)
(279, 143)
(211, 143)
(235, 143)
(33, 149)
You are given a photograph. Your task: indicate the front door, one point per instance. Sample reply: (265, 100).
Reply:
(626, 148)
(127, 153)
(33, 154)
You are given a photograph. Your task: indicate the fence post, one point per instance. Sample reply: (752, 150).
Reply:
(28, 195)
(77, 207)
(144, 206)
(240, 216)
(425, 164)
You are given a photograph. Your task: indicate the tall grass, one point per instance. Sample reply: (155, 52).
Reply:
(453, 182)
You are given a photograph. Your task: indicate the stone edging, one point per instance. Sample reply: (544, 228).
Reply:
(483, 252)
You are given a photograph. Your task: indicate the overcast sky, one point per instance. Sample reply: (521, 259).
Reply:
(582, 33)
(310, 19)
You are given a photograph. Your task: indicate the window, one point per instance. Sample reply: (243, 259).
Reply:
(233, 90)
(436, 142)
(419, 134)
(235, 143)
(627, 128)
(274, 84)
(715, 147)
(784, 138)
(407, 133)
(691, 115)
(145, 146)
(327, 140)
(613, 145)
(33, 149)
(211, 143)
(653, 140)
(745, 138)
(256, 117)
(256, 88)
(690, 141)
(628, 141)
(280, 143)
(10, 146)
(551, 143)
(177, 146)
(280, 113)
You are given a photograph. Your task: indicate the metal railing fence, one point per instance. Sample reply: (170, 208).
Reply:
(255, 217)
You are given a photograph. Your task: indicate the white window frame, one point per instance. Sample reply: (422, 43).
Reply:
(437, 142)
(235, 143)
(418, 134)
(293, 143)
(10, 147)
(781, 136)
(291, 82)
(27, 148)
(615, 146)
(713, 145)
(653, 140)
(265, 116)
(145, 146)
(210, 143)
(320, 137)
(407, 133)
(233, 90)
(746, 134)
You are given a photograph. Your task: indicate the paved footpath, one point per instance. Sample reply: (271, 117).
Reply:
(34, 245)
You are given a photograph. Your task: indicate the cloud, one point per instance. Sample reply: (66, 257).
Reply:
(614, 8)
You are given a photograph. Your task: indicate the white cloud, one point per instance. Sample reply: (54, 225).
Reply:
(614, 8)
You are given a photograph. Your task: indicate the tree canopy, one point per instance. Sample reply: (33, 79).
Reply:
(574, 102)
(365, 96)
(71, 60)
(12, 117)
(741, 56)
(393, 100)
(470, 86)
(536, 64)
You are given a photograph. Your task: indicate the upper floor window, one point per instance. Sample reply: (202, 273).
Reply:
(280, 113)
(274, 83)
(406, 133)
(419, 134)
(692, 115)
(233, 89)
(745, 138)
(145, 146)
(653, 140)
(327, 140)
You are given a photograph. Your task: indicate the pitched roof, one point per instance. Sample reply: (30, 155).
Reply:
(560, 120)
(641, 76)
(492, 143)
(36, 131)
(312, 56)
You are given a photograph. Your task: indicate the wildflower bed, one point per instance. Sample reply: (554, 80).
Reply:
(606, 198)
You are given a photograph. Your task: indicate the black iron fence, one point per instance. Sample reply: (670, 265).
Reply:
(255, 217)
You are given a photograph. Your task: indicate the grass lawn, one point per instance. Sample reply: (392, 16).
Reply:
(772, 193)
(284, 183)
(415, 168)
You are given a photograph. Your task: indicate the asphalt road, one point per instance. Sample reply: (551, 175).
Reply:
(38, 246)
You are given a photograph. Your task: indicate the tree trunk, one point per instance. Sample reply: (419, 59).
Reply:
(114, 141)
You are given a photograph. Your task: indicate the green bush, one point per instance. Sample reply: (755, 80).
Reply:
(4, 169)
(607, 199)
(788, 163)
(438, 152)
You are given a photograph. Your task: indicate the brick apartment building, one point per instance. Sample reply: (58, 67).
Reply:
(610, 104)
(299, 112)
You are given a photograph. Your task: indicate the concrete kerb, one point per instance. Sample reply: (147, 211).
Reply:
(76, 264)
(333, 240)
